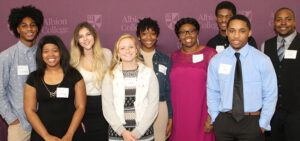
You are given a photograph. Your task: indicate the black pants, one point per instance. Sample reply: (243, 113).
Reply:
(227, 129)
(285, 126)
(95, 124)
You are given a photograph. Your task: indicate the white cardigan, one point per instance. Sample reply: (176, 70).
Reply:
(146, 103)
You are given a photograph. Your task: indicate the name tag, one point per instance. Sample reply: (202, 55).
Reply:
(162, 69)
(130, 82)
(290, 54)
(220, 48)
(62, 92)
(224, 68)
(23, 70)
(197, 58)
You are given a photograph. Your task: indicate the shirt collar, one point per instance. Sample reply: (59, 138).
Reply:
(25, 48)
(287, 39)
(243, 51)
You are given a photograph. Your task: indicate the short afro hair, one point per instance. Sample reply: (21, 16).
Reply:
(284, 8)
(225, 5)
(183, 21)
(18, 14)
(242, 18)
(145, 24)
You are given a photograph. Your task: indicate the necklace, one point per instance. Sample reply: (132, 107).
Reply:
(52, 94)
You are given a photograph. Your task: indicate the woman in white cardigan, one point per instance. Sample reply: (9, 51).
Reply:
(130, 94)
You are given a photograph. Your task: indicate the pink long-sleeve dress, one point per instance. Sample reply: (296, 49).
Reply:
(188, 95)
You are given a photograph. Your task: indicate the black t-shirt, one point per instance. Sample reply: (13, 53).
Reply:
(55, 113)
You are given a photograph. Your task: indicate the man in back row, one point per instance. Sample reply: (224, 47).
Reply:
(224, 11)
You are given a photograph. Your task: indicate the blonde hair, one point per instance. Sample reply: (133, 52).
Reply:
(116, 60)
(99, 66)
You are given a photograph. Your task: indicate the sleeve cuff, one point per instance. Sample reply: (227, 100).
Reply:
(10, 118)
(264, 124)
(213, 117)
(170, 116)
(120, 130)
(136, 133)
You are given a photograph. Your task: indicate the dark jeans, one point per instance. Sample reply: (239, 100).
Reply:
(227, 129)
(285, 126)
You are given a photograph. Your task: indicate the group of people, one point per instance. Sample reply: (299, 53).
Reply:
(227, 90)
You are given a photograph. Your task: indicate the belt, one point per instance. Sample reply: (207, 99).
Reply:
(248, 114)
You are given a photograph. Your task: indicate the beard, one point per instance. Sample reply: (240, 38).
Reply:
(286, 34)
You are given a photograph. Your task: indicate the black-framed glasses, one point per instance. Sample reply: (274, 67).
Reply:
(184, 32)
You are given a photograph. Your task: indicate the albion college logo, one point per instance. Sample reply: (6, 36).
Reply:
(95, 20)
(171, 19)
(248, 14)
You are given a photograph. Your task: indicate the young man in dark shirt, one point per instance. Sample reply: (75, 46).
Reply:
(224, 11)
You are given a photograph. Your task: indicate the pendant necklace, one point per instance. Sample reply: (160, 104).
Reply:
(52, 94)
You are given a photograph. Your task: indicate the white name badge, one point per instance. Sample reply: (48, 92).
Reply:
(224, 69)
(197, 58)
(220, 48)
(162, 69)
(290, 54)
(130, 82)
(62, 92)
(23, 70)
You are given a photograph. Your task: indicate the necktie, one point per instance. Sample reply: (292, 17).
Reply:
(238, 98)
(280, 50)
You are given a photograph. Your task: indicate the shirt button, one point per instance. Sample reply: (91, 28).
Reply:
(280, 95)
(280, 66)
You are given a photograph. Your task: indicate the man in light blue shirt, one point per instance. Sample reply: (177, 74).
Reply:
(259, 87)
(16, 63)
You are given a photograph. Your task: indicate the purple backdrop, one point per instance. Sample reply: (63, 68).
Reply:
(112, 18)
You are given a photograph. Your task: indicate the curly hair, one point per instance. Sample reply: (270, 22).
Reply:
(187, 20)
(145, 24)
(18, 14)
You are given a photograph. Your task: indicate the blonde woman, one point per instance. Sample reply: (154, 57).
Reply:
(92, 61)
(130, 94)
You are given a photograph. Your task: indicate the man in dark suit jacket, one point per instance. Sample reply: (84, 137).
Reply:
(283, 51)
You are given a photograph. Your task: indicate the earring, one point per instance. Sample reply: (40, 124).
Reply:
(139, 38)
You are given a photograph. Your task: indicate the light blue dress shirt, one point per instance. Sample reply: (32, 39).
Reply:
(12, 84)
(259, 83)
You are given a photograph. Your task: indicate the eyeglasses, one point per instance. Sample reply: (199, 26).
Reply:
(184, 32)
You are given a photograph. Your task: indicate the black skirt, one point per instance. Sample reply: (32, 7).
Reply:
(95, 124)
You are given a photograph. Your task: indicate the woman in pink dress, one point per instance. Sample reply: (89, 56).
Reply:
(188, 85)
